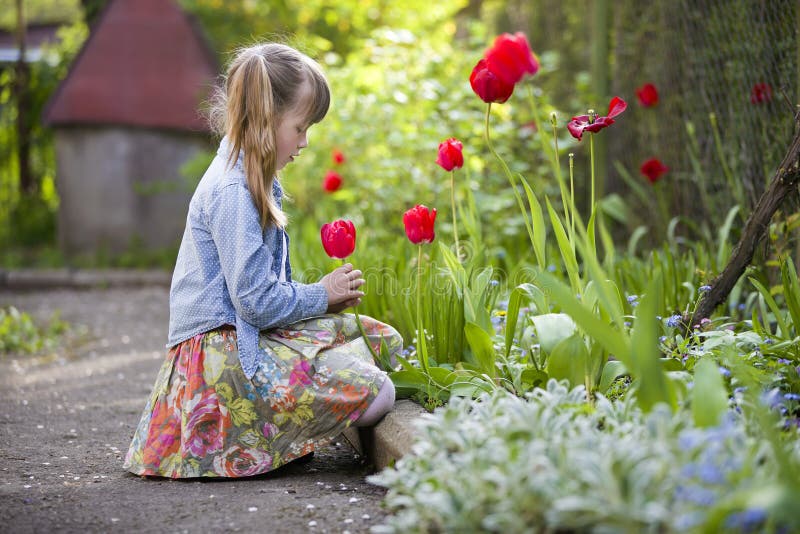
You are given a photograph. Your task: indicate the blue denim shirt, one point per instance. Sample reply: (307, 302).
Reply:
(229, 271)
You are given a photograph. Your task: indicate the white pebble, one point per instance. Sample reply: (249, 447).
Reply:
(310, 506)
(312, 523)
(354, 499)
(252, 509)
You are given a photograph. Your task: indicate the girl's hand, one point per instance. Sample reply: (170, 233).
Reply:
(342, 286)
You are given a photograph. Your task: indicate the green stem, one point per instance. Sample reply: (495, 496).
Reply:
(547, 148)
(569, 207)
(422, 349)
(374, 354)
(453, 204)
(509, 175)
(572, 198)
(591, 164)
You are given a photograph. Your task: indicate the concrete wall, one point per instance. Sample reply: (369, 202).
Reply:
(118, 185)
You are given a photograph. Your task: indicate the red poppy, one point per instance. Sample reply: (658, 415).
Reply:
(419, 224)
(488, 86)
(337, 156)
(510, 58)
(583, 122)
(332, 181)
(338, 238)
(647, 95)
(653, 169)
(760, 93)
(450, 154)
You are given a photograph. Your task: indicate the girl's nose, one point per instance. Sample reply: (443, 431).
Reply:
(303, 141)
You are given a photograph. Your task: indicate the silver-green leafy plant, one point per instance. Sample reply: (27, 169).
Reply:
(551, 462)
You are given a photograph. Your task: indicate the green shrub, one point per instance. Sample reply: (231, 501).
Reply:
(19, 334)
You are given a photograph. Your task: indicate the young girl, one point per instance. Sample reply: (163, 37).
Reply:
(261, 368)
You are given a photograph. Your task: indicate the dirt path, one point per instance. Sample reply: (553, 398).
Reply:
(66, 421)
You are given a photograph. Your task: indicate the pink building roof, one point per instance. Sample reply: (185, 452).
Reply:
(144, 64)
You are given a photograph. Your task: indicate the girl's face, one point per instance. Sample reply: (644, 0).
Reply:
(291, 136)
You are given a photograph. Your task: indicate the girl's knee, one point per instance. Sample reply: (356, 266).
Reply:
(380, 406)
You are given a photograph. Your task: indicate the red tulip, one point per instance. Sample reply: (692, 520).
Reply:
(339, 238)
(583, 122)
(337, 156)
(332, 181)
(653, 169)
(647, 95)
(488, 86)
(419, 224)
(510, 58)
(761, 93)
(450, 155)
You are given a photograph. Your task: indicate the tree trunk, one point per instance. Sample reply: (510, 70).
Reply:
(600, 33)
(22, 74)
(784, 182)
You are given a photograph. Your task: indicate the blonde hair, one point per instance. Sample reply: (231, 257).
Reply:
(262, 83)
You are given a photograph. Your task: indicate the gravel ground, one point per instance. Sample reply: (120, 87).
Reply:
(66, 420)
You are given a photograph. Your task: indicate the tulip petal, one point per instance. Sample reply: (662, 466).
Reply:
(616, 106)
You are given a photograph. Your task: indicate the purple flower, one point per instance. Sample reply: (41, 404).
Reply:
(673, 320)
(704, 289)
(749, 520)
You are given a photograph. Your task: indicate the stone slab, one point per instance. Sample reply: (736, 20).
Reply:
(391, 438)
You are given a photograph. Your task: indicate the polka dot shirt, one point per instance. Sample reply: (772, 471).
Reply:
(229, 271)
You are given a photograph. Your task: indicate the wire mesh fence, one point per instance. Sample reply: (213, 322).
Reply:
(727, 72)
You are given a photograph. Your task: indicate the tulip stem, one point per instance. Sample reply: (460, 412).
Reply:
(547, 148)
(591, 165)
(422, 349)
(453, 203)
(510, 176)
(360, 325)
(572, 197)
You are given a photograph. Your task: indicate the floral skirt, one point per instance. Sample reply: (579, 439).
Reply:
(205, 418)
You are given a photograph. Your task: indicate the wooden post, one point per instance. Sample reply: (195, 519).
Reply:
(784, 182)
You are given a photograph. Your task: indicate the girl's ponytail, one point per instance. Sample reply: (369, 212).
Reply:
(250, 121)
(263, 82)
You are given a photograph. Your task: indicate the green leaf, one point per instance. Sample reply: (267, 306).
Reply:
(569, 359)
(538, 236)
(482, 348)
(564, 246)
(636, 236)
(533, 377)
(791, 291)
(776, 311)
(611, 371)
(709, 395)
(723, 249)
(552, 329)
(512, 316)
(407, 382)
(443, 377)
(645, 363)
(614, 341)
